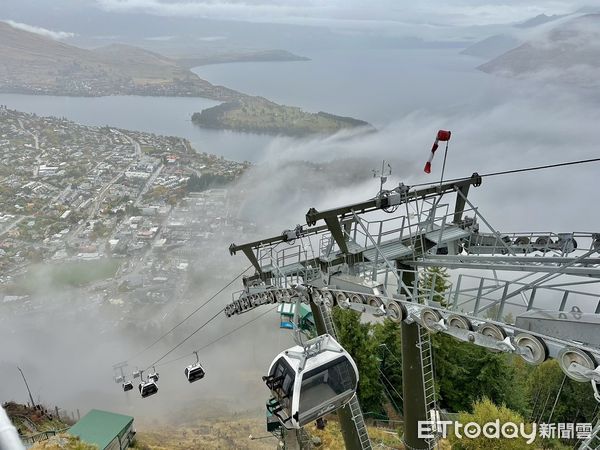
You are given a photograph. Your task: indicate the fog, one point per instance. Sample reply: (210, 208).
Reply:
(67, 345)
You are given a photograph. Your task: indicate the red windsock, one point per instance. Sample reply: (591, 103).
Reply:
(443, 136)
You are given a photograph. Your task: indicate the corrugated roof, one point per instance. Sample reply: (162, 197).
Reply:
(100, 427)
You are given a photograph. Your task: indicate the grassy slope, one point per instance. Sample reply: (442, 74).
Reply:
(234, 432)
(63, 442)
(223, 433)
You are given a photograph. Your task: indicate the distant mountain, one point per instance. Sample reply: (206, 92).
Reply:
(539, 20)
(500, 43)
(240, 56)
(30, 63)
(569, 53)
(492, 46)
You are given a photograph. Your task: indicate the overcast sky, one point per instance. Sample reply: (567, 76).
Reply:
(353, 12)
(333, 13)
(243, 22)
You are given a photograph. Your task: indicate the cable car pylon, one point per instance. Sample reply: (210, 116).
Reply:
(371, 265)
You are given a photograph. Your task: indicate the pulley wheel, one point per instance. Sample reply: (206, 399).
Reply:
(493, 331)
(568, 355)
(395, 311)
(543, 241)
(357, 298)
(539, 351)
(522, 240)
(568, 245)
(374, 301)
(456, 321)
(340, 297)
(429, 317)
(327, 298)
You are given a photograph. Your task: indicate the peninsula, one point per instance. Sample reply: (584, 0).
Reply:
(34, 64)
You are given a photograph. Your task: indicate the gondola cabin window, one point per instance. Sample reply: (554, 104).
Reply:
(327, 386)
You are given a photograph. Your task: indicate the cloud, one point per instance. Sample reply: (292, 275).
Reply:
(160, 38)
(212, 38)
(527, 127)
(57, 35)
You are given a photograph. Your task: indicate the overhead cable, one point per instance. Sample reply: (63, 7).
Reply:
(181, 322)
(527, 169)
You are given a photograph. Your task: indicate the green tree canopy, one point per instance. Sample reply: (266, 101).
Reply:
(356, 338)
(466, 373)
(485, 411)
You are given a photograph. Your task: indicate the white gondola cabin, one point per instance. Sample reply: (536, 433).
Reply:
(148, 388)
(307, 382)
(153, 375)
(194, 372)
(127, 386)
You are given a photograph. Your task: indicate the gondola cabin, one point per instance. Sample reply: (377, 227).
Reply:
(194, 372)
(148, 388)
(311, 381)
(127, 386)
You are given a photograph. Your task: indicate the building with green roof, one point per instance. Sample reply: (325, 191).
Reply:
(109, 431)
(286, 311)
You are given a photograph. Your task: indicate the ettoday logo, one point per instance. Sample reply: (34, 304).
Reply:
(435, 427)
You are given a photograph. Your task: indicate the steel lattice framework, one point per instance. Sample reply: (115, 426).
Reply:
(534, 294)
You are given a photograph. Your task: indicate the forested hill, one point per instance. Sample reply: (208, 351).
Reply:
(259, 115)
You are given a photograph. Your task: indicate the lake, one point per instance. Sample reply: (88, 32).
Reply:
(377, 86)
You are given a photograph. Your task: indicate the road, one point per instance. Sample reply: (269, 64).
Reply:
(36, 143)
(146, 187)
(100, 196)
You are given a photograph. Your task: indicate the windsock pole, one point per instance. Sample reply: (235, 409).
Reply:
(444, 163)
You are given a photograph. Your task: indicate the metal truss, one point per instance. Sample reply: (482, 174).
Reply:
(545, 305)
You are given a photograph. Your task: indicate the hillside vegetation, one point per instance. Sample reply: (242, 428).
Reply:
(63, 442)
(259, 115)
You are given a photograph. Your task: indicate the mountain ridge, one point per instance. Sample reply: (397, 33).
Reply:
(34, 64)
(568, 53)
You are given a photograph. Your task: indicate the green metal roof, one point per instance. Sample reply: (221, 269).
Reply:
(287, 309)
(100, 427)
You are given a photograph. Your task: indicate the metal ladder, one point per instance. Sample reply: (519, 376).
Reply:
(327, 319)
(428, 376)
(593, 441)
(355, 409)
(359, 421)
